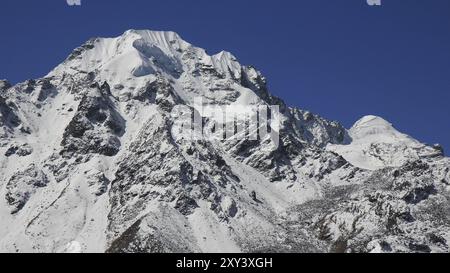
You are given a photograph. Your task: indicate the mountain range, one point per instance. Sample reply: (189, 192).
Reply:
(91, 161)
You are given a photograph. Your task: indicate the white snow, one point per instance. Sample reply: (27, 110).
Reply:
(211, 236)
(377, 144)
(73, 247)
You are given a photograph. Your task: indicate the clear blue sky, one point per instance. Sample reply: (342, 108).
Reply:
(340, 58)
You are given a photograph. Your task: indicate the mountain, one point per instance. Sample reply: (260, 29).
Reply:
(376, 144)
(93, 159)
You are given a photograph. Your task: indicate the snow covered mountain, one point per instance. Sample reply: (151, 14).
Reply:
(91, 161)
(376, 144)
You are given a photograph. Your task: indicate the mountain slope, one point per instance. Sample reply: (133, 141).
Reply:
(93, 160)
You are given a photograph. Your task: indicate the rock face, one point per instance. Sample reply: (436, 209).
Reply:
(8, 117)
(20, 150)
(22, 185)
(92, 157)
(395, 210)
(96, 126)
(4, 84)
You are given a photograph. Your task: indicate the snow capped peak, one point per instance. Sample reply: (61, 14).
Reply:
(377, 144)
(135, 53)
(371, 120)
(227, 62)
(164, 39)
(375, 128)
(138, 53)
(224, 55)
(137, 56)
(154, 35)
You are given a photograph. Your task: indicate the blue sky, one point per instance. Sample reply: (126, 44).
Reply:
(341, 59)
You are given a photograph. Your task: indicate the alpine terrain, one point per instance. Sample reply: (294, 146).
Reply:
(91, 161)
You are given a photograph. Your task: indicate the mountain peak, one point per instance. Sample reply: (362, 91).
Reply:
(138, 55)
(377, 144)
(374, 127)
(371, 120)
(165, 33)
(164, 39)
